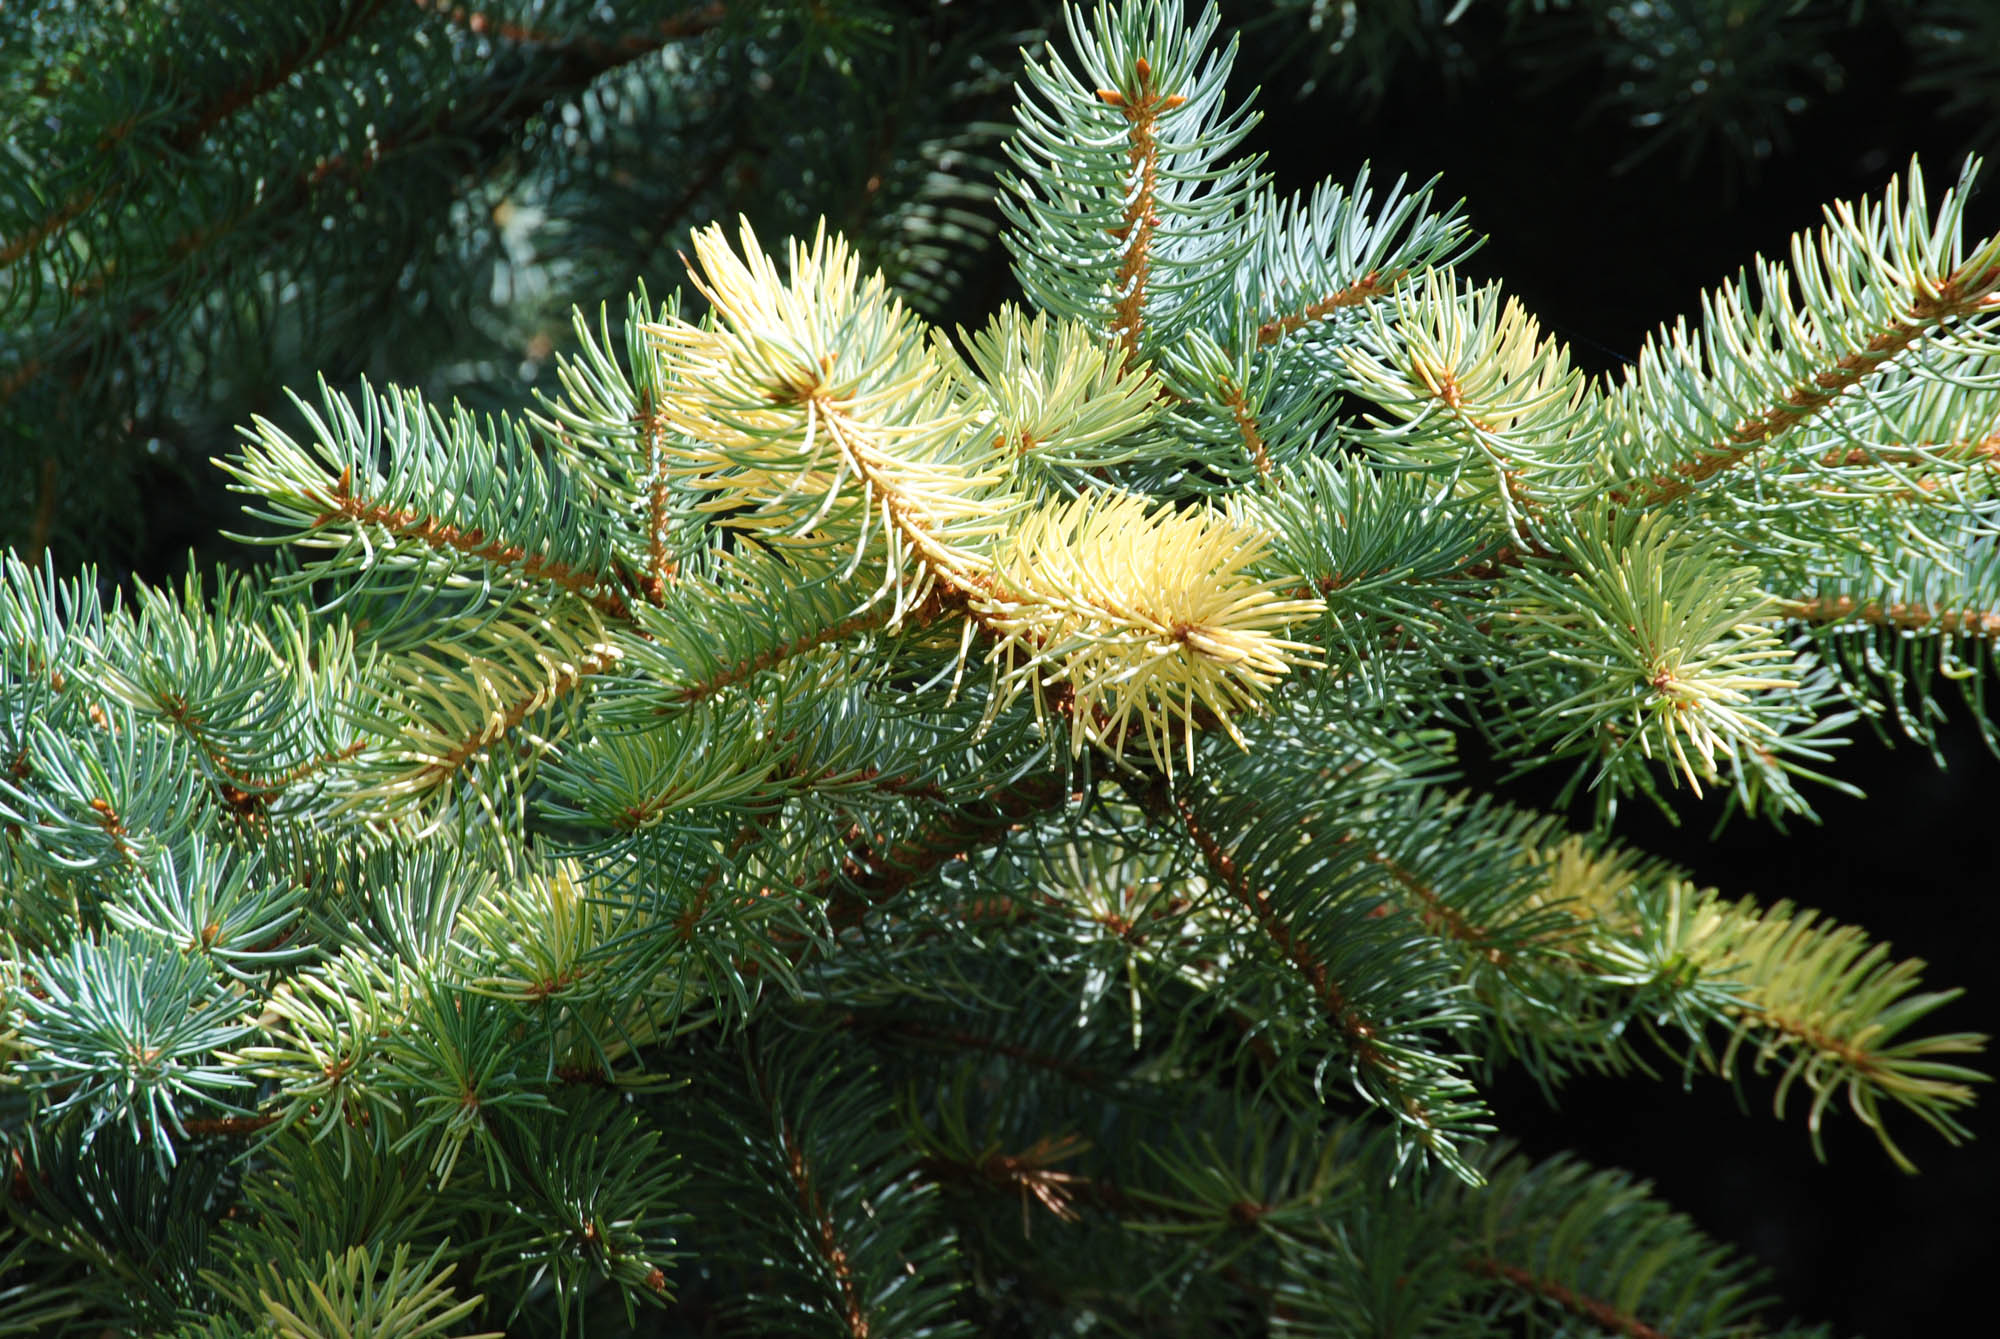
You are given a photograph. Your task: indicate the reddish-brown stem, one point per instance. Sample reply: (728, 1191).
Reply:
(1224, 870)
(660, 569)
(227, 1125)
(1030, 1173)
(1595, 1310)
(1246, 426)
(1435, 914)
(703, 896)
(314, 764)
(415, 525)
(730, 675)
(114, 828)
(826, 1239)
(1985, 448)
(1960, 295)
(1910, 617)
(1368, 287)
(1135, 234)
(566, 679)
(868, 876)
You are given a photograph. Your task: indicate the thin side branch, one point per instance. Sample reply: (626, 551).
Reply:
(1135, 235)
(1365, 289)
(409, 524)
(232, 100)
(1246, 427)
(1960, 295)
(825, 1237)
(661, 570)
(868, 876)
(624, 47)
(1236, 881)
(498, 725)
(1595, 1310)
(1901, 615)
(730, 675)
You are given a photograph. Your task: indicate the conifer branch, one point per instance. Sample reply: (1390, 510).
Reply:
(1879, 285)
(479, 129)
(597, 49)
(1246, 427)
(1593, 1309)
(1436, 914)
(405, 523)
(1971, 449)
(660, 568)
(508, 890)
(1900, 614)
(564, 680)
(868, 875)
(825, 1237)
(1957, 296)
(1227, 874)
(772, 656)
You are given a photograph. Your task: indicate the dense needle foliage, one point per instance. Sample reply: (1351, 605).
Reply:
(822, 823)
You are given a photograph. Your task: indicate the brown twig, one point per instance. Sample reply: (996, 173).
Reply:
(566, 679)
(1135, 234)
(749, 667)
(1903, 615)
(661, 570)
(866, 876)
(1246, 426)
(824, 1232)
(1365, 289)
(1595, 1310)
(406, 523)
(1232, 878)
(1959, 295)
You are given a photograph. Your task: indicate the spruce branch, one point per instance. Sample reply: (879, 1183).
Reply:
(1124, 179)
(598, 50)
(1324, 945)
(1899, 615)
(365, 1292)
(467, 699)
(1880, 285)
(378, 481)
(1476, 394)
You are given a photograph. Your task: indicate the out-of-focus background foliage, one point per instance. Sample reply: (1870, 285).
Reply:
(202, 205)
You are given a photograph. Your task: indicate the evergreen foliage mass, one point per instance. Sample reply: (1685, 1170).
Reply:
(205, 204)
(821, 823)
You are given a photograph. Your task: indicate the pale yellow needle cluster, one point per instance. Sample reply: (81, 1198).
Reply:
(1135, 612)
(815, 410)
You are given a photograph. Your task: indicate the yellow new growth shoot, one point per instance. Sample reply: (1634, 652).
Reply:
(1129, 613)
(815, 410)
